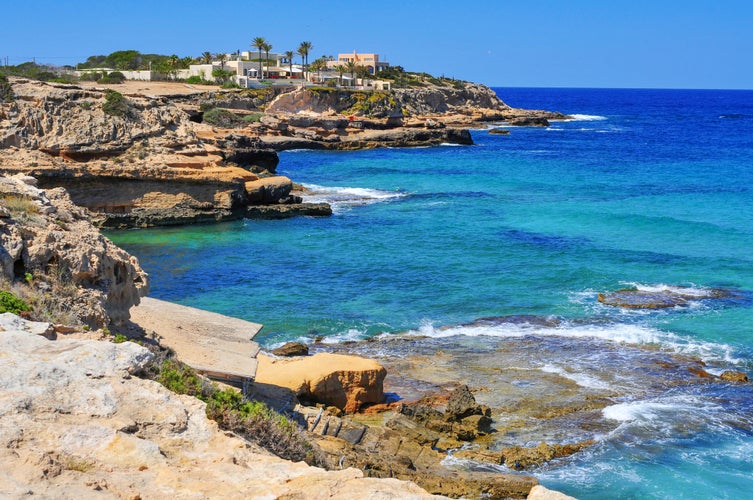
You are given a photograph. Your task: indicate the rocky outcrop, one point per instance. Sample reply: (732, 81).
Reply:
(291, 349)
(661, 298)
(345, 382)
(74, 422)
(68, 267)
(405, 449)
(145, 164)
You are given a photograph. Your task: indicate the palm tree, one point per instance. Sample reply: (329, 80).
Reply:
(207, 57)
(303, 50)
(222, 58)
(351, 67)
(318, 65)
(289, 57)
(259, 42)
(267, 48)
(340, 68)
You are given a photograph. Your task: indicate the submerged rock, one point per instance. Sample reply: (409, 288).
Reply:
(631, 298)
(732, 376)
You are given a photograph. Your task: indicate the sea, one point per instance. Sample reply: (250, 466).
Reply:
(642, 189)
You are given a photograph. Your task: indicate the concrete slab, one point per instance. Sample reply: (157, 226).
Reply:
(220, 346)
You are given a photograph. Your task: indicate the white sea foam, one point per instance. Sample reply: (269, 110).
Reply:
(585, 118)
(624, 333)
(451, 144)
(342, 197)
(691, 290)
(667, 415)
(581, 379)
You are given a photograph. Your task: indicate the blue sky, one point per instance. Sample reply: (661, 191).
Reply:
(527, 43)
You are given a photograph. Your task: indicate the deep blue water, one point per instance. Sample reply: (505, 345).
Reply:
(646, 188)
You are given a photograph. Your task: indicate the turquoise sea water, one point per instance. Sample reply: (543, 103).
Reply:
(645, 188)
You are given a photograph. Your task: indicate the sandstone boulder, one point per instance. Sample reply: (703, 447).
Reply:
(268, 190)
(733, 376)
(346, 382)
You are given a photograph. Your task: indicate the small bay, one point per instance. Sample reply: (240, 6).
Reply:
(647, 189)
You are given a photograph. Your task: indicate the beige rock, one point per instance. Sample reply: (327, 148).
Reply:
(74, 422)
(51, 240)
(539, 492)
(268, 189)
(347, 382)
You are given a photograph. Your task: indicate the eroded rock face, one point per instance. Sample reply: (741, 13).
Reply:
(50, 243)
(74, 422)
(346, 382)
(151, 165)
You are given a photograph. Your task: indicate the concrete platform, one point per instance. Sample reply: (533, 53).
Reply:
(218, 346)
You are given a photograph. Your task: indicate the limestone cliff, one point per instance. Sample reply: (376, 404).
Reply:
(74, 423)
(133, 159)
(68, 268)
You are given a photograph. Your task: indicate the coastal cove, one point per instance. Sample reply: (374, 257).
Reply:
(644, 188)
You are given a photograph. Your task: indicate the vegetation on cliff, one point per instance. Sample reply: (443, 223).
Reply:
(253, 420)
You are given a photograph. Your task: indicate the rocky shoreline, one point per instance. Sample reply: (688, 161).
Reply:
(138, 160)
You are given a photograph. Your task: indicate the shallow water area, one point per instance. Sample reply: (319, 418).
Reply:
(645, 189)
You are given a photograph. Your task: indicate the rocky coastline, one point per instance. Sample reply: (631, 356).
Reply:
(76, 420)
(135, 159)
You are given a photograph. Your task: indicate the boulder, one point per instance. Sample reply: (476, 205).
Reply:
(291, 349)
(268, 190)
(462, 404)
(346, 382)
(732, 376)
(528, 121)
(662, 298)
(539, 492)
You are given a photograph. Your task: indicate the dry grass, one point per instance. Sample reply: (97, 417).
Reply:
(21, 207)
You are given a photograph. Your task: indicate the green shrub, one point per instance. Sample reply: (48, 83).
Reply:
(229, 84)
(119, 338)
(115, 104)
(252, 118)
(6, 91)
(253, 420)
(114, 77)
(222, 118)
(91, 76)
(12, 304)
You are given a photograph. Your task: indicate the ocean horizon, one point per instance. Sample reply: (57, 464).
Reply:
(645, 189)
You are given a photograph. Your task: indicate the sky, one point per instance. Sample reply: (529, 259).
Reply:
(504, 43)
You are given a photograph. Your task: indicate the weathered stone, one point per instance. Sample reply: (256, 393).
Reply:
(732, 376)
(462, 404)
(291, 349)
(9, 321)
(102, 281)
(529, 121)
(287, 211)
(268, 190)
(347, 382)
(539, 492)
(75, 422)
(660, 299)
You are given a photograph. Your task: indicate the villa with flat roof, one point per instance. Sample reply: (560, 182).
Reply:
(370, 60)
